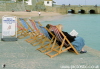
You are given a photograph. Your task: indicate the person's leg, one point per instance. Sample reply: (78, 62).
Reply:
(78, 44)
(83, 51)
(39, 14)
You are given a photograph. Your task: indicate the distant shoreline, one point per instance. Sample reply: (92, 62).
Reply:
(45, 16)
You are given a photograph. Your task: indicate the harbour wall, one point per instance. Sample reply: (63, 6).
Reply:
(75, 9)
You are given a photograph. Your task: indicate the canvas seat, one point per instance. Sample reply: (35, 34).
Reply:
(29, 29)
(21, 33)
(38, 36)
(47, 41)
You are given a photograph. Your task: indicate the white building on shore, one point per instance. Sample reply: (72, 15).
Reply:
(48, 2)
(29, 2)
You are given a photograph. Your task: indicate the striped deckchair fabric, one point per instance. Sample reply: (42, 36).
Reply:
(28, 28)
(37, 39)
(38, 23)
(47, 41)
(21, 33)
(31, 37)
(34, 26)
(64, 43)
(24, 23)
(21, 30)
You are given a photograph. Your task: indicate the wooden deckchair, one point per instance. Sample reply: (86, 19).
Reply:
(28, 28)
(35, 30)
(25, 25)
(21, 33)
(47, 41)
(64, 43)
(31, 37)
(38, 36)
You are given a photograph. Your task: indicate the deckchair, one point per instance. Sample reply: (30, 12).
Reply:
(28, 28)
(33, 35)
(47, 41)
(21, 33)
(36, 30)
(38, 23)
(38, 35)
(26, 25)
(64, 43)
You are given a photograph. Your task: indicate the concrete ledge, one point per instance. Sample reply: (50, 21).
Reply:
(9, 39)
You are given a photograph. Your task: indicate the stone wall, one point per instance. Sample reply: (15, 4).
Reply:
(14, 7)
(56, 9)
(64, 10)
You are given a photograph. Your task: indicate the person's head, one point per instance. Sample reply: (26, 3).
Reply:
(48, 26)
(60, 27)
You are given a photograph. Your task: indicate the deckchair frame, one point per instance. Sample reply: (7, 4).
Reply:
(46, 46)
(38, 36)
(62, 38)
(21, 32)
(29, 30)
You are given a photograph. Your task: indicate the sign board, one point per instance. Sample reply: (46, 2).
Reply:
(9, 27)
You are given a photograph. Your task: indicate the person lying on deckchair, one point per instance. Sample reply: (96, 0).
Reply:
(78, 42)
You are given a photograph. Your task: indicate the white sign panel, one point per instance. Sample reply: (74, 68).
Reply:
(8, 26)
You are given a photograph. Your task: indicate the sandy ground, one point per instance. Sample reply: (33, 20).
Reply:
(45, 16)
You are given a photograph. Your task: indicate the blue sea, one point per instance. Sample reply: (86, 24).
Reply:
(87, 26)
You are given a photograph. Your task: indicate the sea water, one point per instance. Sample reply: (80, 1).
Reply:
(87, 26)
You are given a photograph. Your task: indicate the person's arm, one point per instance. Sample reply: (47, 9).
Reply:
(70, 38)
